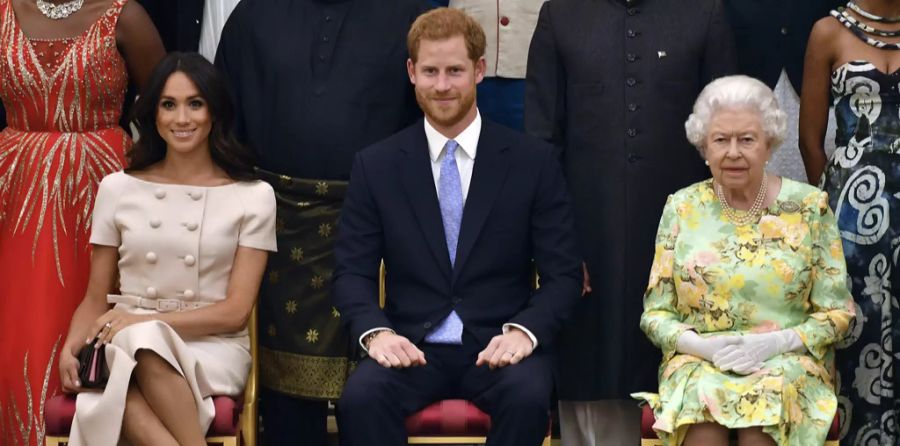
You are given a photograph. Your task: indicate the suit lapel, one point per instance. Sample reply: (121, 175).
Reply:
(488, 176)
(415, 173)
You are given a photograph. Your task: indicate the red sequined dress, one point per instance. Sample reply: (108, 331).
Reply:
(63, 99)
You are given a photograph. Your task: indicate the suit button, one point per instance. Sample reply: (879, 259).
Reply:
(631, 132)
(631, 33)
(188, 294)
(631, 82)
(159, 193)
(195, 195)
(633, 11)
(633, 158)
(630, 57)
(427, 325)
(192, 226)
(504, 20)
(189, 260)
(632, 107)
(456, 300)
(151, 257)
(784, 31)
(155, 222)
(151, 292)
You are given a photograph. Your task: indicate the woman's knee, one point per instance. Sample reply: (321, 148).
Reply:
(706, 434)
(150, 363)
(754, 436)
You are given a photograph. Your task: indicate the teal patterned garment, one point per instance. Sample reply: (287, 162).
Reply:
(710, 276)
(863, 183)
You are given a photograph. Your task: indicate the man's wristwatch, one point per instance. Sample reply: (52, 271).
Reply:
(370, 336)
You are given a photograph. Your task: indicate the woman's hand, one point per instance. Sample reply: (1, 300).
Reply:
(68, 371)
(112, 322)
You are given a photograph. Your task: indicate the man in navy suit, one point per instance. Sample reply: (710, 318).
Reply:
(457, 207)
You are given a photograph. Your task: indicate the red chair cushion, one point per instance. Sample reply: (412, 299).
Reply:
(449, 418)
(647, 420)
(60, 410)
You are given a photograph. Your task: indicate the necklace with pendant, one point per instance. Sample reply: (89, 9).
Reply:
(60, 11)
(753, 213)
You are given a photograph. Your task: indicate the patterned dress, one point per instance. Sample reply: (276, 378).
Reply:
(708, 275)
(862, 179)
(63, 100)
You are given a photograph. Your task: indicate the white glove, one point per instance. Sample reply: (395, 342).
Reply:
(749, 355)
(691, 343)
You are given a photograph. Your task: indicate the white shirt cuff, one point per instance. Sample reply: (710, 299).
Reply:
(368, 332)
(528, 332)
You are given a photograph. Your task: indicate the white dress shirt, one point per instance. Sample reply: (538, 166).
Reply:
(465, 162)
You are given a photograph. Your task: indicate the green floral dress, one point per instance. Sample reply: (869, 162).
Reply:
(708, 275)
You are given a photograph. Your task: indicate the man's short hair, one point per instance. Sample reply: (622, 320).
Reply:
(444, 23)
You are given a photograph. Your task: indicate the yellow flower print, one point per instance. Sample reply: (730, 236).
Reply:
(791, 397)
(689, 295)
(771, 227)
(837, 249)
(662, 266)
(752, 406)
(707, 196)
(795, 235)
(785, 272)
(792, 219)
(826, 406)
(745, 235)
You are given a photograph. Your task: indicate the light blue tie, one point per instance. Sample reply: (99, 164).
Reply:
(451, 201)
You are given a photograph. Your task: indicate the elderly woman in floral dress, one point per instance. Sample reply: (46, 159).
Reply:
(747, 291)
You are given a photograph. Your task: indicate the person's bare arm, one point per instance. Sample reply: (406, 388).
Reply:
(139, 43)
(814, 98)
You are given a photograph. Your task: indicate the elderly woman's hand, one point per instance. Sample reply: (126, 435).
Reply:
(749, 355)
(112, 322)
(691, 343)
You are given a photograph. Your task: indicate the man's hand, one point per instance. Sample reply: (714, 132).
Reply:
(393, 350)
(506, 349)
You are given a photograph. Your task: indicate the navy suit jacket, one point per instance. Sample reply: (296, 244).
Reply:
(517, 209)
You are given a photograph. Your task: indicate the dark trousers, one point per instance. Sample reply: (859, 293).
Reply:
(292, 421)
(377, 400)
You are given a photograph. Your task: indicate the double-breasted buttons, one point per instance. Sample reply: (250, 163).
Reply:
(151, 292)
(195, 195)
(159, 194)
(631, 82)
(189, 294)
(191, 226)
(189, 260)
(151, 257)
(426, 325)
(155, 222)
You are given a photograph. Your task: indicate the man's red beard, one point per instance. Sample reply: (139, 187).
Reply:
(445, 117)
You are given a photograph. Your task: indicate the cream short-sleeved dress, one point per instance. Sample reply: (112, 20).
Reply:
(175, 242)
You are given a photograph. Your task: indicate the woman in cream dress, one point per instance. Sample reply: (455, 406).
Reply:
(185, 230)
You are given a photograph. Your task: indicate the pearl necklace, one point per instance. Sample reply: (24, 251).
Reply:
(61, 11)
(753, 213)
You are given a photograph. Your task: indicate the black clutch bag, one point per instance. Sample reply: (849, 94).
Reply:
(92, 370)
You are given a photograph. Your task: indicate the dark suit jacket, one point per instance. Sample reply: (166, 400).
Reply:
(517, 210)
(178, 22)
(772, 34)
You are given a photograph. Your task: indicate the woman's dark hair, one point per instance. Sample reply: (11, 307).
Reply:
(229, 154)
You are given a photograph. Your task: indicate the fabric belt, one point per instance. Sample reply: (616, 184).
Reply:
(161, 305)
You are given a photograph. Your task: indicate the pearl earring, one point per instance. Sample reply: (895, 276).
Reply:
(706, 162)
